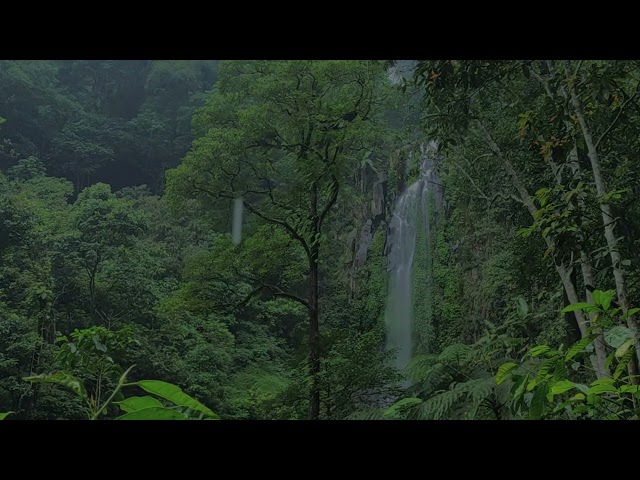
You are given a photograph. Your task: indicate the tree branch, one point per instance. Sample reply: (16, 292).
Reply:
(276, 291)
(335, 187)
(615, 120)
(292, 231)
(482, 194)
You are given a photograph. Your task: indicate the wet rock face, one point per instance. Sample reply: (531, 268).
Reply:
(376, 217)
(366, 236)
(352, 238)
(378, 202)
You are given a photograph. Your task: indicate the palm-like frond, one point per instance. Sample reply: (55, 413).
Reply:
(367, 414)
(442, 405)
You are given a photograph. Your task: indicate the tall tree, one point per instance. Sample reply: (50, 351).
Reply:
(281, 136)
(466, 95)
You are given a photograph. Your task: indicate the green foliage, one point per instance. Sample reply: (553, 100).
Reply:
(283, 143)
(398, 410)
(547, 382)
(61, 378)
(356, 371)
(224, 327)
(173, 394)
(504, 369)
(88, 355)
(458, 383)
(125, 121)
(376, 284)
(27, 169)
(85, 267)
(133, 404)
(337, 97)
(254, 392)
(153, 413)
(423, 278)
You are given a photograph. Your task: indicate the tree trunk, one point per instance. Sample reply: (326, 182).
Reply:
(585, 260)
(601, 189)
(601, 351)
(607, 217)
(563, 271)
(570, 289)
(92, 292)
(314, 331)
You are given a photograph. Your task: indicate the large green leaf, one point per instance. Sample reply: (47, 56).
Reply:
(632, 311)
(4, 415)
(503, 371)
(577, 348)
(603, 298)
(539, 350)
(133, 404)
(61, 378)
(603, 381)
(153, 413)
(622, 349)
(174, 394)
(546, 368)
(520, 386)
(536, 409)
(575, 306)
(622, 363)
(616, 336)
(630, 388)
(600, 389)
(562, 386)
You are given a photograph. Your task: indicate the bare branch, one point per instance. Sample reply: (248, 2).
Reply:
(276, 291)
(335, 188)
(615, 120)
(482, 194)
(545, 83)
(292, 231)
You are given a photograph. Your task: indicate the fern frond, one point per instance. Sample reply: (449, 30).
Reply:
(367, 414)
(426, 382)
(456, 354)
(436, 407)
(400, 409)
(441, 405)
(480, 390)
(420, 367)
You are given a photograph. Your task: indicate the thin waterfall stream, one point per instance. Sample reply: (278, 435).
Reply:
(402, 247)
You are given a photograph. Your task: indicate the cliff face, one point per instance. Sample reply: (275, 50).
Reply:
(398, 243)
(376, 217)
(368, 218)
(412, 163)
(380, 185)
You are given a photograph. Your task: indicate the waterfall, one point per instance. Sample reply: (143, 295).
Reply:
(401, 241)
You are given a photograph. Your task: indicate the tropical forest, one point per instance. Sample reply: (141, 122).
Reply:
(319, 240)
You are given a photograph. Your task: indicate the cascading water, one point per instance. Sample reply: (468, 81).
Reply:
(402, 247)
(402, 236)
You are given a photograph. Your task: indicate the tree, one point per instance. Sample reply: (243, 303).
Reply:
(107, 227)
(466, 96)
(281, 136)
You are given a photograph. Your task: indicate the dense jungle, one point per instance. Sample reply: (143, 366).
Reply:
(319, 239)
